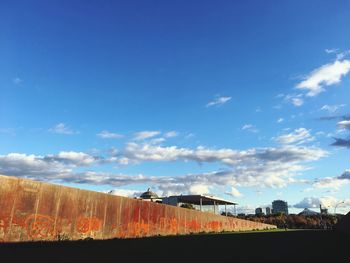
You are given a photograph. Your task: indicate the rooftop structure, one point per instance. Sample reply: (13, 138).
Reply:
(150, 196)
(198, 200)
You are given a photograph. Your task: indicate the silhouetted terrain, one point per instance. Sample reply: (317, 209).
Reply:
(296, 246)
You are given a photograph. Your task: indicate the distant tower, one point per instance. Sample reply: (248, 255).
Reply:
(258, 211)
(268, 211)
(280, 206)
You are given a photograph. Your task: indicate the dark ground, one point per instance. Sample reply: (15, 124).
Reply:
(288, 246)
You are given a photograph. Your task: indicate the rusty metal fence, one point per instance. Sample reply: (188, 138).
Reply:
(31, 210)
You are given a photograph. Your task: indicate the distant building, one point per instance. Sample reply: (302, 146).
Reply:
(259, 211)
(279, 206)
(268, 211)
(150, 196)
(203, 203)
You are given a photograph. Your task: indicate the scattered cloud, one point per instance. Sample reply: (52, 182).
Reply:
(325, 201)
(199, 189)
(280, 120)
(295, 99)
(142, 135)
(109, 135)
(234, 192)
(265, 167)
(333, 182)
(72, 158)
(171, 134)
(326, 75)
(250, 128)
(17, 81)
(218, 101)
(62, 128)
(298, 136)
(331, 50)
(341, 142)
(189, 136)
(332, 108)
(344, 125)
(124, 192)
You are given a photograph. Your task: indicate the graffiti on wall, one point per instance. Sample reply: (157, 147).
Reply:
(40, 227)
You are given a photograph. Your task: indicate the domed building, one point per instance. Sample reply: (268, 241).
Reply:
(150, 196)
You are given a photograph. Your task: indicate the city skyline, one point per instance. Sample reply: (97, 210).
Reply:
(248, 101)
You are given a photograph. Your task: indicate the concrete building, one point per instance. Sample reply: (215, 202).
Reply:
(279, 206)
(259, 211)
(268, 210)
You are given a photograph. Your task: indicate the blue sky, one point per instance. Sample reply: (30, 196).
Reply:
(246, 100)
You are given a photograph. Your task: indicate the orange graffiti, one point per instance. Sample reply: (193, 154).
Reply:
(85, 224)
(137, 229)
(39, 226)
(170, 225)
(194, 226)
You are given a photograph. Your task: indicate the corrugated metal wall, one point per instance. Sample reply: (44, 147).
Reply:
(31, 210)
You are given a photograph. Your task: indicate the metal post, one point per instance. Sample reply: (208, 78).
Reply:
(200, 202)
(214, 207)
(225, 210)
(335, 208)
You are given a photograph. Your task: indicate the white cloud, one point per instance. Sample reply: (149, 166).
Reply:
(109, 135)
(308, 202)
(344, 125)
(265, 167)
(189, 136)
(328, 202)
(72, 158)
(298, 136)
(124, 192)
(171, 134)
(17, 81)
(332, 108)
(331, 50)
(295, 99)
(325, 75)
(62, 128)
(31, 166)
(218, 101)
(142, 135)
(330, 182)
(199, 189)
(234, 192)
(333, 182)
(280, 120)
(250, 127)
(149, 152)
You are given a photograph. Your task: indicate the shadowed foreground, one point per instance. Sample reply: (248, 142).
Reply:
(298, 246)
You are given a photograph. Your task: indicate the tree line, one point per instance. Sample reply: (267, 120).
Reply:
(293, 221)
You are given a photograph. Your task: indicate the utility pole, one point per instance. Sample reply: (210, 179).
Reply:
(335, 208)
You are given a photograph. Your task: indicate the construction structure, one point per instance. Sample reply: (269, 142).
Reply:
(200, 202)
(37, 211)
